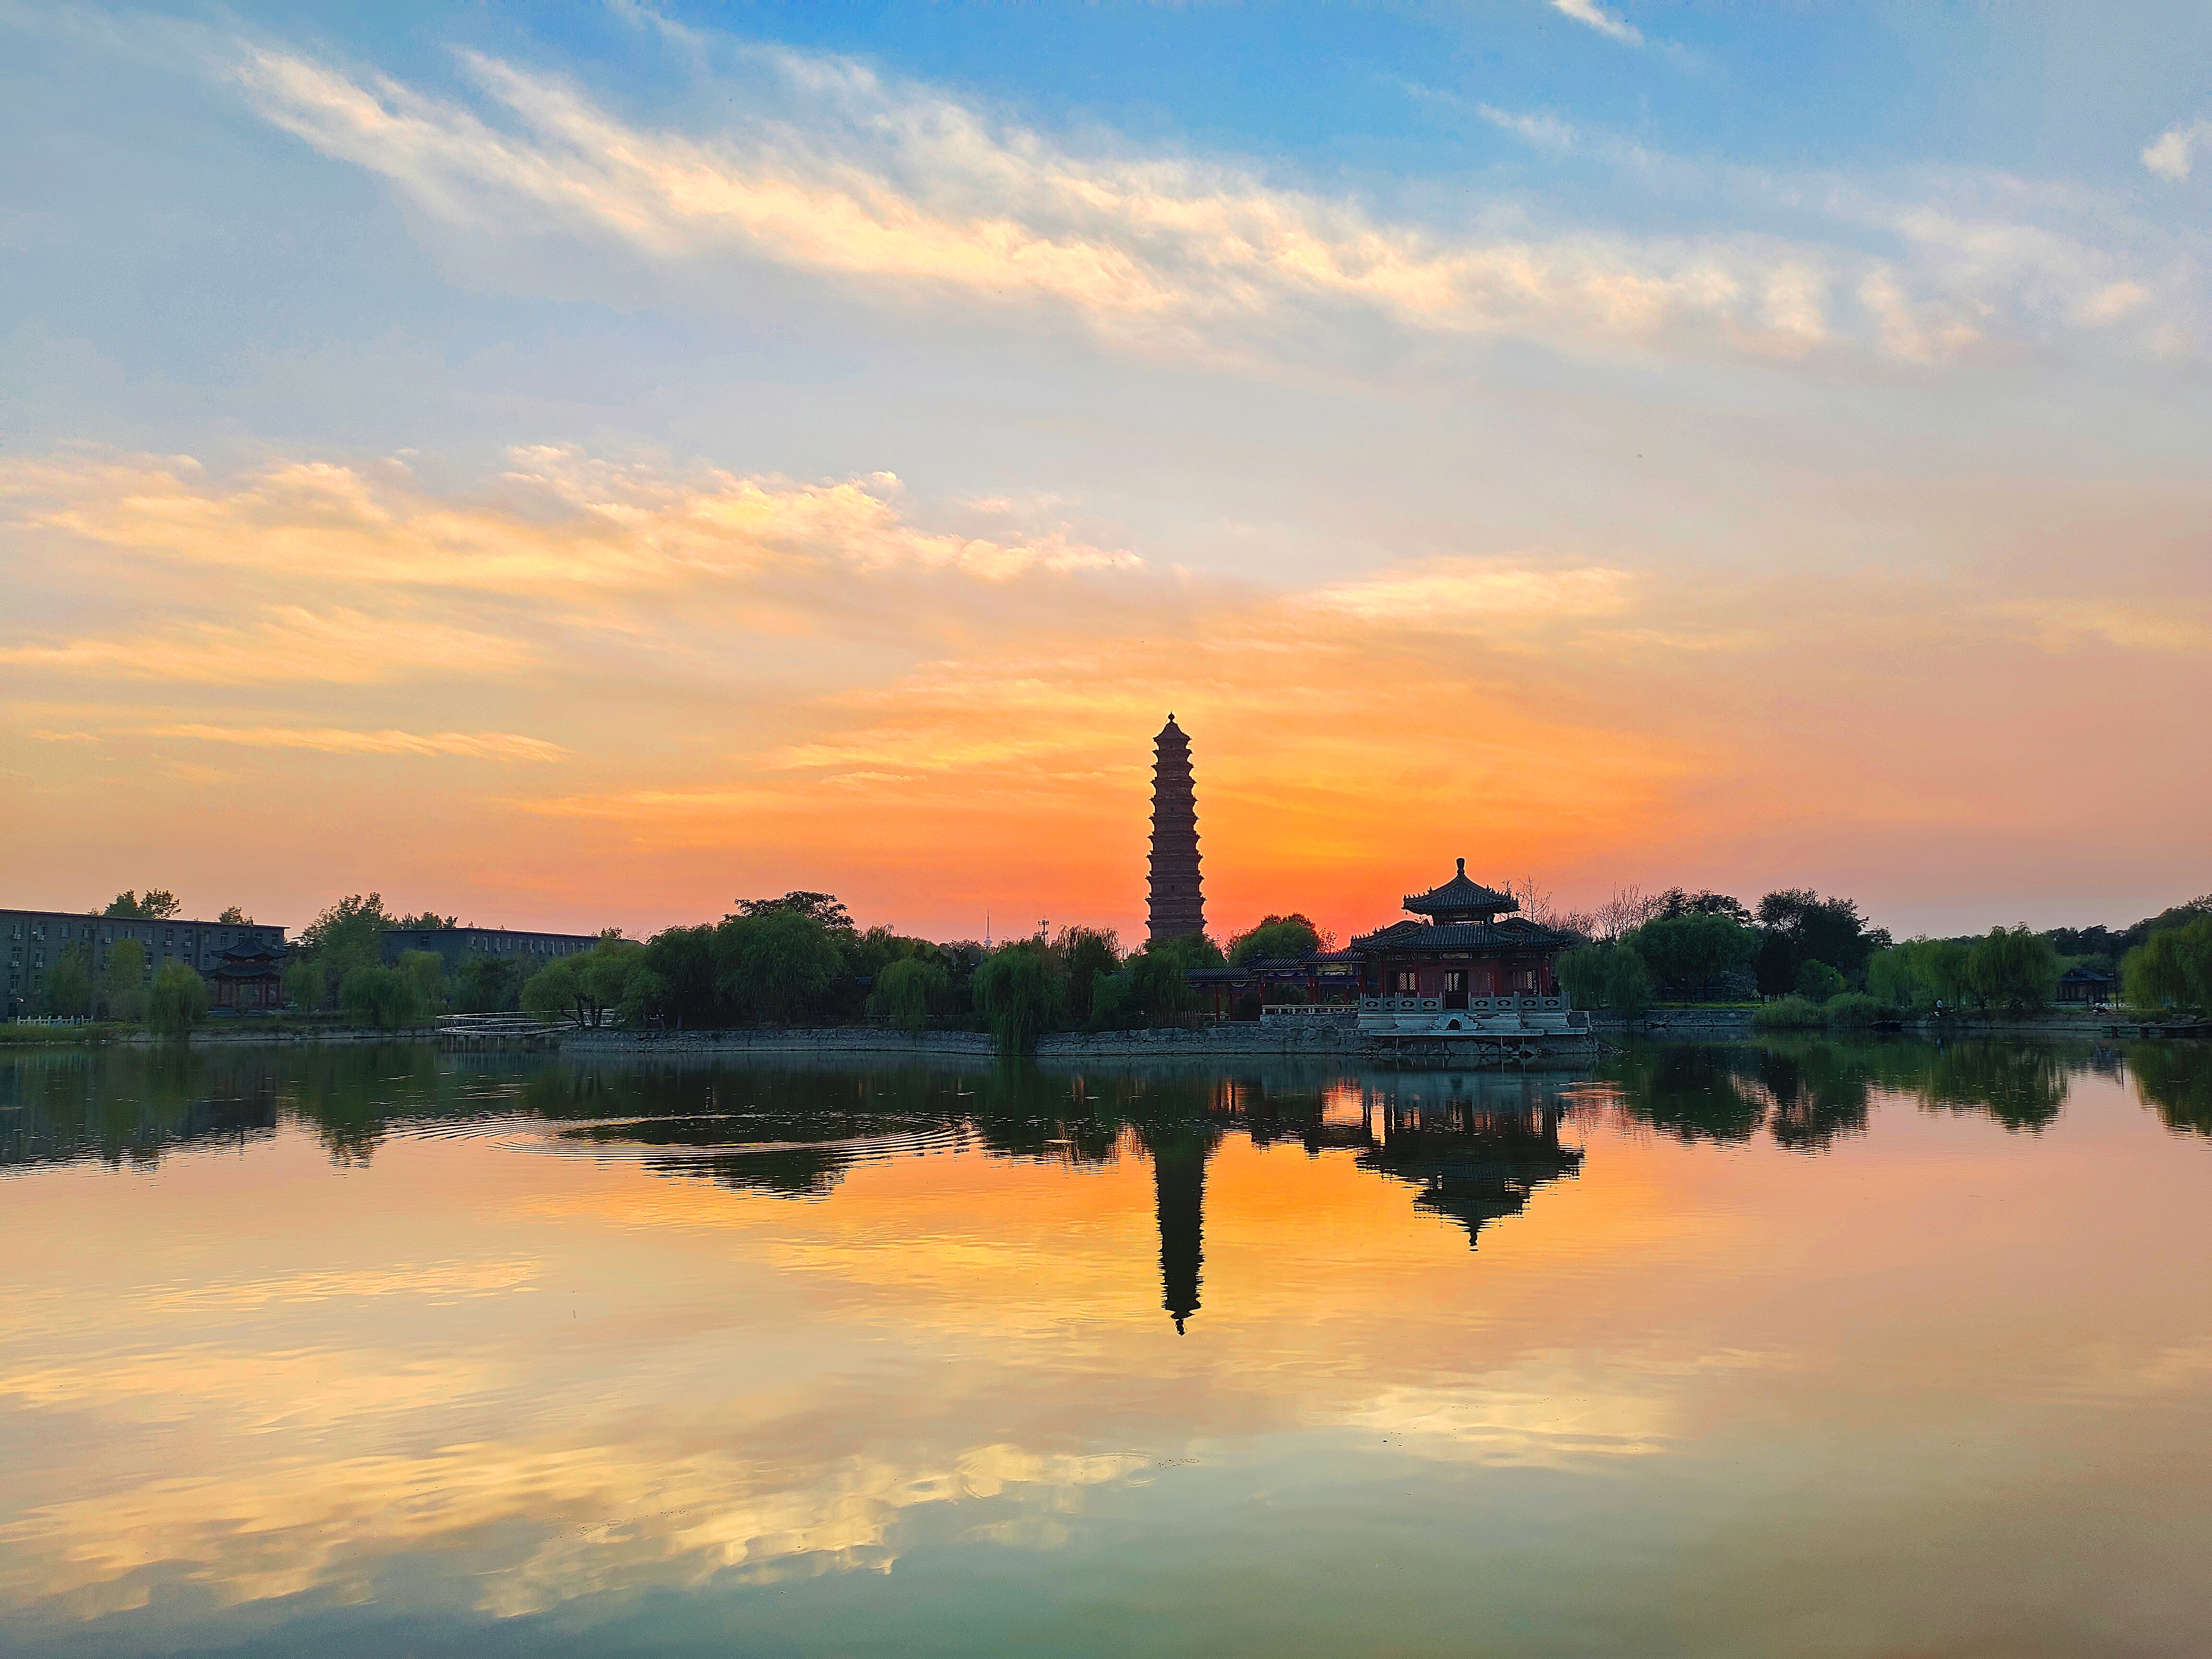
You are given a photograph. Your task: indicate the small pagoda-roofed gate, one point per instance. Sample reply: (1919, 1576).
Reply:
(1469, 968)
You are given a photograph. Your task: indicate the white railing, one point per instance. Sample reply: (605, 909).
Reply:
(1307, 1010)
(54, 1019)
(510, 1024)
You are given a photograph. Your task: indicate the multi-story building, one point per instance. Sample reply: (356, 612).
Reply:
(458, 945)
(34, 939)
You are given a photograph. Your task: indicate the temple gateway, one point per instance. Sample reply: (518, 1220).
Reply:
(1467, 969)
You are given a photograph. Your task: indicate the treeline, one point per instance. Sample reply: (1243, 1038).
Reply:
(801, 959)
(1818, 961)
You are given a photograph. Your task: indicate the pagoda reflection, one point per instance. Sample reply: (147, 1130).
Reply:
(1478, 1149)
(1179, 1154)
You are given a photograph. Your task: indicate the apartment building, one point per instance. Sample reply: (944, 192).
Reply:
(34, 939)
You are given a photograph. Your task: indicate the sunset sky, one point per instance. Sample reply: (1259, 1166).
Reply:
(577, 470)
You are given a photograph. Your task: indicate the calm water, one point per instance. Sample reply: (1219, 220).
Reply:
(1795, 1348)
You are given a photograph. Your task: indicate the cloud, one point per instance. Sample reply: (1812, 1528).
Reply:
(1482, 595)
(1542, 128)
(569, 520)
(288, 645)
(1589, 12)
(473, 745)
(2173, 153)
(2072, 624)
(905, 194)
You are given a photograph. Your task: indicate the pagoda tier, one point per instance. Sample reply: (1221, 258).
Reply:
(1177, 900)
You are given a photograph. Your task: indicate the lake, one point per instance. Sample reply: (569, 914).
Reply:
(1800, 1346)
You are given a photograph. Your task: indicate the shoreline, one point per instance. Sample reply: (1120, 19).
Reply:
(1226, 1040)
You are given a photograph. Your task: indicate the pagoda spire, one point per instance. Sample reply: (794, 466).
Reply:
(1178, 901)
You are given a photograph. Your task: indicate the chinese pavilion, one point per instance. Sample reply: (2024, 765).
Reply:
(248, 975)
(1467, 967)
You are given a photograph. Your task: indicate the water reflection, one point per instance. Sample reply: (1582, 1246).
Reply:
(523, 1349)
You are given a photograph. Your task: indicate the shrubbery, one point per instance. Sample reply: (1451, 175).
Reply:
(1855, 1009)
(1791, 1013)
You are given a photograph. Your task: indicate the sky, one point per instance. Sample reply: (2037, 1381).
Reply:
(578, 468)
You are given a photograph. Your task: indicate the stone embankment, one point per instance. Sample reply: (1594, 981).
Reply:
(1224, 1041)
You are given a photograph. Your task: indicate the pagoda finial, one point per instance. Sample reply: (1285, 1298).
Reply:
(1462, 863)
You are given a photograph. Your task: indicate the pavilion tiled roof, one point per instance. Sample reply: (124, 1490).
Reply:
(1514, 933)
(1461, 897)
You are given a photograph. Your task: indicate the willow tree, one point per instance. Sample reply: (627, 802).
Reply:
(178, 999)
(2171, 968)
(2013, 969)
(1017, 991)
(123, 984)
(907, 990)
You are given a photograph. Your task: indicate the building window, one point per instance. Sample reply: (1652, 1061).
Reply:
(1409, 982)
(1524, 979)
(1454, 979)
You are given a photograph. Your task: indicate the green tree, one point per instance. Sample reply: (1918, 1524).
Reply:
(348, 935)
(1018, 992)
(304, 987)
(1114, 1006)
(585, 987)
(822, 908)
(487, 985)
(1674, 901)
(1687, 950)
(1159, 990)
(684, 960)
(645, 998)
(777, 963)
(1799, 925)
(1293, 935)
(425, 922)
(234, 916)
(159, 905)
(383, 997)
(908, 991)
(1817, 981)
(425, 974)
(1606, 977)
(1919, 974)
(2173, 968)
(69, 985)
(1086, 955)
(178, 999)
(123, 983)
(2014, 971)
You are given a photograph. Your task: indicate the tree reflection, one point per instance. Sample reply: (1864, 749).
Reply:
(1815, 1092)
(1692, 1091)
(2175, 1081)
(2022, 1086)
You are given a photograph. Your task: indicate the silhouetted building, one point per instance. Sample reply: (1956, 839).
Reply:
(34, 940)
(1468, 969)
(1177, 904)
(249, 976)
(2082, 988)
(457, 944)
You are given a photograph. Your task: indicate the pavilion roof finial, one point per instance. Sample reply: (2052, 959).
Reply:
(1459, 899)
